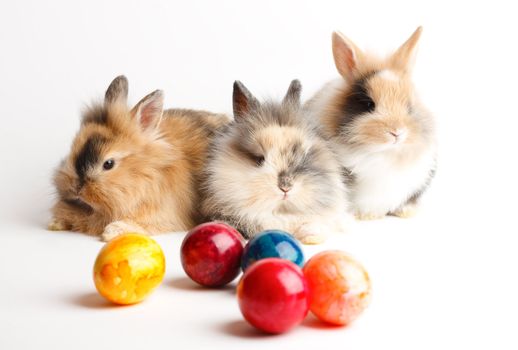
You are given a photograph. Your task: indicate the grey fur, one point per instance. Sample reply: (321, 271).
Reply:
(242, 100)
(294, 92)
(96, 114)
(315, 169)
(117, 91)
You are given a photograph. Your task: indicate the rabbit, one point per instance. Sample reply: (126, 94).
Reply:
(271, 169)
(385, 138)
(133, 170)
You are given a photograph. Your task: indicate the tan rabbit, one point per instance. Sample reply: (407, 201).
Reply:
(384, 136)
(271, 169)
(133, 169)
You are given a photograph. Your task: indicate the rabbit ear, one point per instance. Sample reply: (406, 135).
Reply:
(242, 100)
(148, 112)
(117, 92)
(346, 55)
(293, 94)
(404, 57)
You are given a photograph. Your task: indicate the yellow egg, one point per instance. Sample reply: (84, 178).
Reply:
(129, 268)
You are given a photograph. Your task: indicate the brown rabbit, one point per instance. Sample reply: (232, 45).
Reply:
(133, 169)
(384, 136)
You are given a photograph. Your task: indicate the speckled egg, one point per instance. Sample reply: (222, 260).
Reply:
(129, 268)
(340, 287)
(272, 244)
(211, 254)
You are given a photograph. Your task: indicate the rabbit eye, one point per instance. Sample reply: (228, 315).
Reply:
(370, 105)
(259, 160)
(358, 101)
(109, 164)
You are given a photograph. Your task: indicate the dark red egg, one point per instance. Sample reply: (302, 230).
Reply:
(273, 295)
(211, 254)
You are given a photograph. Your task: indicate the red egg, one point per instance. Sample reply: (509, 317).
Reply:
(211, 254)
(340, 287)
(273, 295)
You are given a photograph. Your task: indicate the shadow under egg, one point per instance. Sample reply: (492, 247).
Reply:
(241, 329)
(93, 301)
(185, 283)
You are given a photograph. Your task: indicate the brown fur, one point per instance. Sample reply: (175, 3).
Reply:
(392, 95)
(153, 185)
(384, 136)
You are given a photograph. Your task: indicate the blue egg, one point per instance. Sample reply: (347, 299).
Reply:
(272, 244)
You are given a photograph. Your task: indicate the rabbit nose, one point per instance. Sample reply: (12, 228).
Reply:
(285, 189)
(285, 183)
(398, 133)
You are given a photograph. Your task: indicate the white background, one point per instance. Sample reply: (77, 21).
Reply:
(445, 279)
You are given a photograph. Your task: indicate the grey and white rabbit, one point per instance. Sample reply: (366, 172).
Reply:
(271, 169)
(384, 136)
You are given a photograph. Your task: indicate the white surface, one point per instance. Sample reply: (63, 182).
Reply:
(445, 279)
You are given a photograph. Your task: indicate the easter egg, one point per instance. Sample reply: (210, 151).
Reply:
(272, 244)
(339, 285)
(211, 254)
(129, 268)
(273, 295)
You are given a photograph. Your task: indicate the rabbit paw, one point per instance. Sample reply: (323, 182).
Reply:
(117, 228)
(310, 234)
(406, 211)
(56, 225)
(343, 223)
(368, 216)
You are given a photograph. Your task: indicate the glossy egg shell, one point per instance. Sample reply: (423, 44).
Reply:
(272, 244)
(340, 287)
(211, 254)
(129, 268)
(273, 295)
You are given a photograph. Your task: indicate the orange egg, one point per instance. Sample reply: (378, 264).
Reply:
(340, 287)
(129, 268)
